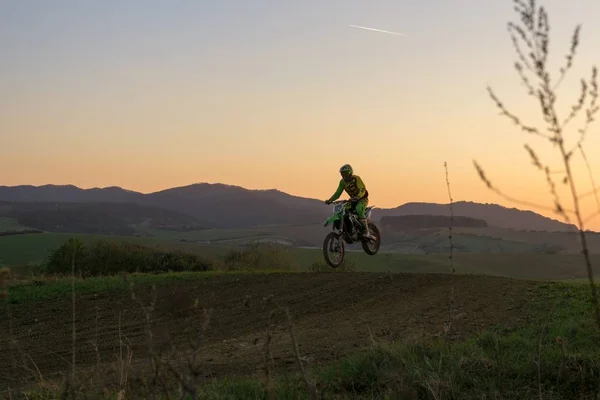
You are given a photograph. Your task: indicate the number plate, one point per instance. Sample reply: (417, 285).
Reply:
(338, 208)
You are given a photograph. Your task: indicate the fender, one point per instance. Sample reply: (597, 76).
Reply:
(332, 219)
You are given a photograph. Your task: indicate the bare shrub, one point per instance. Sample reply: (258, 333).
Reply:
(531, 40)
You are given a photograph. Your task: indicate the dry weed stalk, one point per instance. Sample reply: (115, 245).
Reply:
(448, 328)
(269, 359)
(73, 325)
(533, 33)
(312, 390)
(187, 379)
(5, 275)
(70, 385)
(124, 363)
(152, 357)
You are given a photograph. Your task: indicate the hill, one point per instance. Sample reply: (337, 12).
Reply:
(216, 205)
(236, 207)
(495, 215)
(99, 218)
(67, 193)
(226, 206)
(426, 221)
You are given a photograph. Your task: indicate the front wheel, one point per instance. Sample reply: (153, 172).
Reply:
(371, 247)
(333, 243)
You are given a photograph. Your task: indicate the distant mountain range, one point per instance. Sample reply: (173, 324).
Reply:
(205, 205)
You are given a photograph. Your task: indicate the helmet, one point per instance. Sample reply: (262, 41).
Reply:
(346, 172)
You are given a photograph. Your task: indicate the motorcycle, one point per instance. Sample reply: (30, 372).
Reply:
(347, 228)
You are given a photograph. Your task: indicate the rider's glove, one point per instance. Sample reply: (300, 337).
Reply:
(328, 201)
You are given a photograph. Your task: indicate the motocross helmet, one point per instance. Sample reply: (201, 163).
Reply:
(346, 172)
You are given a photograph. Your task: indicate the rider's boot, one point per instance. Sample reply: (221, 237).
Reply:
(366, 232)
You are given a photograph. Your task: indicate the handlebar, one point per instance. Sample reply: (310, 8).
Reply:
(340, 202)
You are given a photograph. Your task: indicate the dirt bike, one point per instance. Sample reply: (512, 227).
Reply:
(347, 228)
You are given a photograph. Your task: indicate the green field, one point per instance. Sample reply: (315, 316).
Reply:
(9, 224)
(510, 339)
(21, 250)
(34, 248)
(360, 334)
(483, 240)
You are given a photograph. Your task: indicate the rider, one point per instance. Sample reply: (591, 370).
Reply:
(359, 196)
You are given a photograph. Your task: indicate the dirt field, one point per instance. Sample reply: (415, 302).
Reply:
(332, 312)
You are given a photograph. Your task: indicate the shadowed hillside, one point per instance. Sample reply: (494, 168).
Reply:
(495, 215)
(226, 206)
(68, 193)
(418, 221)
(217, 205)
(101, 218)
(233, 206)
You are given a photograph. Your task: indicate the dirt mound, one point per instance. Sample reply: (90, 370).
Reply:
(333, 314)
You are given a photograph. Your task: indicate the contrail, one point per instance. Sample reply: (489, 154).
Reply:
(377, 30)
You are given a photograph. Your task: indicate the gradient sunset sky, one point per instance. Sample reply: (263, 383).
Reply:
(279, 94)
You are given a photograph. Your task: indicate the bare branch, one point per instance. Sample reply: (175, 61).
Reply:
(535, 159)
(312, 390)
(515, 30)
(590, 111)
(591, 175)
(524, 79)
(73, 330)
(547, 97)
(488, 183)
(269, 387)
(578, 105)
(569, 57)
(504, 111)
(451, 257)
(558, 207)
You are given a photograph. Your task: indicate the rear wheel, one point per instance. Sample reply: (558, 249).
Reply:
(333, 250)
(371, 247)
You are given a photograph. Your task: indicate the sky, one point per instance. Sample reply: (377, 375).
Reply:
(150, 94)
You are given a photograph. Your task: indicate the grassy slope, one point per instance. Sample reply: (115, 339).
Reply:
(10, 224)
(476, 239)
(569, 241)
(34, 248)
(555, 356)
(311, 235)
(25, 249)
(49, 289)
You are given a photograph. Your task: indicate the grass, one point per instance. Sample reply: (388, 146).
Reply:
(554, 356)
(210, 234)
(10, 224)
(35, 248)
(21, 251)
(48, 289)
(474, 239)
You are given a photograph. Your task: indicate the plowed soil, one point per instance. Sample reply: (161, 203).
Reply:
(334, 314)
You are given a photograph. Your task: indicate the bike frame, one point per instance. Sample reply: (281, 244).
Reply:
(339, 211)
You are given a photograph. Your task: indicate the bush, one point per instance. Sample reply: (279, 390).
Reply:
(110, 258)
(260, 256)
(548, 248)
